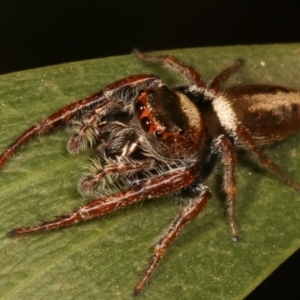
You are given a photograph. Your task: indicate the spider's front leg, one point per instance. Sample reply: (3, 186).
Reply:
(112, 92)
(154, 187)
(141, 189)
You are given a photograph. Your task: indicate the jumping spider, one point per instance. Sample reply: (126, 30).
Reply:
(154, 140)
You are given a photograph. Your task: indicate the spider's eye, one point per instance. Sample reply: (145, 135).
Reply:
(139, 107)
(158, 134)
(145, 122)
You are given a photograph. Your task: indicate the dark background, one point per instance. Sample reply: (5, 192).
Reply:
(39, 33)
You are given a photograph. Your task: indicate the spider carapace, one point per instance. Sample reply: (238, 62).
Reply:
(152, 140)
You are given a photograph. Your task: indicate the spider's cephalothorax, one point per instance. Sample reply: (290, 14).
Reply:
(153, 141)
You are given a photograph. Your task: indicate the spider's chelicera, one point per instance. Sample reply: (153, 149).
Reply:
(152, 140)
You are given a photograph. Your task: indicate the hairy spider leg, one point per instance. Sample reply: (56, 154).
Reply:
(229, 161)
(143, 189)
(151, 188)
(216, 83)
(185, 216)
(173, 63)
(74, 110)
(266, 162)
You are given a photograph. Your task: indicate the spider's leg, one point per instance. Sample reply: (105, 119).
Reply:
(111, 92)
(186, 215)
(249, 144)
(148, 188)
(89, 182)
(229, 161)
(216, 83)
(172, 62)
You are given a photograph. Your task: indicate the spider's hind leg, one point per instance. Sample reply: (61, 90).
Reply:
(250, 145)
(173, 63)
(216, 83)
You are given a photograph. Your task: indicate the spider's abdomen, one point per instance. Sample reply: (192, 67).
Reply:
(270, 113)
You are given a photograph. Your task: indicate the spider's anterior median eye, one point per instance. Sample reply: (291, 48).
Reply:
(158, 134)
(139, 107)
(145, 122)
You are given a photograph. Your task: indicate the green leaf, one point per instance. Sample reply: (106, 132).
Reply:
(105, 258)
